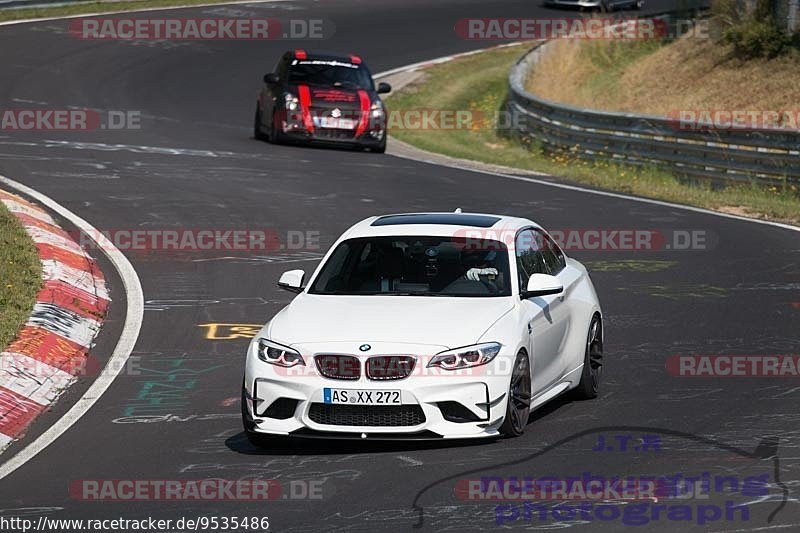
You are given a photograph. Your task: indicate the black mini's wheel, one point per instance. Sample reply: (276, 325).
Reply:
(275, 136)
(257, 135)
(381, 148)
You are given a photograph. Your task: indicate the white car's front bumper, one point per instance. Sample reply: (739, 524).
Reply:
(435, 403)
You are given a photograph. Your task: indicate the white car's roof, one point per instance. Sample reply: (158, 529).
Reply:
(439, 224)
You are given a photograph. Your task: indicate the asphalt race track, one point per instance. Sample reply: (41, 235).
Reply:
(193, 164)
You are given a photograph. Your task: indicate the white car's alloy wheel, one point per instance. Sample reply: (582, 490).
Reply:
(519, 398)
(593, 362)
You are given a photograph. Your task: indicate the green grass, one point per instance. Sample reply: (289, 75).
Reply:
(95, 7)
(611, 58)
(479, 83)
(20, 276)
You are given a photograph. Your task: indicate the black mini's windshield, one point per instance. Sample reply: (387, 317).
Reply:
(329, 73)
(416, 266)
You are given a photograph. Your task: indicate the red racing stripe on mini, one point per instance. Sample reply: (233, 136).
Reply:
(304, 94)
(365, 105)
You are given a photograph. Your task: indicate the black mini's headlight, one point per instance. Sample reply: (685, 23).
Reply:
(291, 102)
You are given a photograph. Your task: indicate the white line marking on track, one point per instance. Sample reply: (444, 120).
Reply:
(125, 344)
(410, 460)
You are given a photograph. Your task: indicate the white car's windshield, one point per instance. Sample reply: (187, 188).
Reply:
(416, 266)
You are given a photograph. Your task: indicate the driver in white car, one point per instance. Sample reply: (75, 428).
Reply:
(482, 262)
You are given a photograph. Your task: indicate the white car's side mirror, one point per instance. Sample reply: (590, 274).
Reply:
(292, 280)
(542, 285)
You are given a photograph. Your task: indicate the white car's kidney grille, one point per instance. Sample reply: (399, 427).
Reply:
(366, 415)
(387, 367)
(336, 366)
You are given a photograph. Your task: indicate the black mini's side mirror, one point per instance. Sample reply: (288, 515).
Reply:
(384, 88)
(271, 78)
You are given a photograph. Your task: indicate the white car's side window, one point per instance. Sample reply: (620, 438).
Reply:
(552, 254)
(529, 256)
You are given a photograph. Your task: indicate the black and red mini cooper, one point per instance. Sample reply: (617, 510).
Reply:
(322, 97)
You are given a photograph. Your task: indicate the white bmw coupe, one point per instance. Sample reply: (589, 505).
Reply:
(427, 326)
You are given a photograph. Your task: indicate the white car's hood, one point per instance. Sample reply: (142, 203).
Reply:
(430, 320)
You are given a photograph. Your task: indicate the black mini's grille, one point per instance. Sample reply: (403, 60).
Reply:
(366, 415)
(386, 367)
(335, 134)
(338, 366)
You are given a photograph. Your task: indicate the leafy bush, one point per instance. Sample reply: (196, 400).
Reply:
(753, 33)
(725, 13)
(756, 38)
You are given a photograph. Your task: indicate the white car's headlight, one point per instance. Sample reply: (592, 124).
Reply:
(466, 357)
(276, 354)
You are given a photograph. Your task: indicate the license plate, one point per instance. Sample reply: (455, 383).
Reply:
(335, 123)
(361, 397)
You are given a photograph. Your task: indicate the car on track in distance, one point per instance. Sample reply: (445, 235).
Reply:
(427, 326)
(605, 6)
(322, 98)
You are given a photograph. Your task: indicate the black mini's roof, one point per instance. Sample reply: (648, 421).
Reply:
(326, 55)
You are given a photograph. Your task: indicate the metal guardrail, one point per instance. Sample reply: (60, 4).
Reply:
(768, 157)
(24, 4)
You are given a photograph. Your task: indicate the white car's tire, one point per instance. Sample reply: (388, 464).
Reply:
(592, 362)
(518, 407)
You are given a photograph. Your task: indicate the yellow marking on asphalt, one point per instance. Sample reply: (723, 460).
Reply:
(223, 332)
